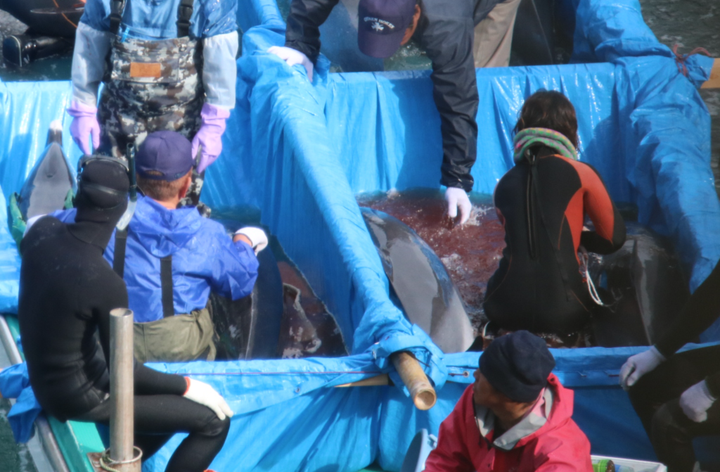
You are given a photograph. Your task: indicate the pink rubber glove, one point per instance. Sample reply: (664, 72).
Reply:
(84, 125)
(210, 135)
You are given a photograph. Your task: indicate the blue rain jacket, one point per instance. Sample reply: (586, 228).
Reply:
(204, 259)
(155, 19)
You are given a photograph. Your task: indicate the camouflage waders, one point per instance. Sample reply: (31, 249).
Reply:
(152, 85)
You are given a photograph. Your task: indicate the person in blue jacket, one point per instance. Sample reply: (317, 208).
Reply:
(172, 258)
(166, 65)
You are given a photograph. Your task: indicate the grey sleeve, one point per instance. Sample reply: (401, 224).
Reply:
(220, 69)
(88, 64)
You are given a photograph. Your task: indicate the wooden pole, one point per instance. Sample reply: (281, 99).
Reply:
(714, 80)
(414, 378)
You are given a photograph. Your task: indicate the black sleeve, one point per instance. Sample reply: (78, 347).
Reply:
(303, 25)
(447, 36)
(700, 311)
(147, 381)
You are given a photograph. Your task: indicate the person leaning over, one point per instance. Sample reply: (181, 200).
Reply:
(676, 395)
(516, 416)
(67, 291)
(447, 31)
(172, 258)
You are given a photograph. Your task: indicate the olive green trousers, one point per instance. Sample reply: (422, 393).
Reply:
(177, 338)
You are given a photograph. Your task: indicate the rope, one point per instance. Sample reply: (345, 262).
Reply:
(584, 257)
(681, 58)
(283, 373)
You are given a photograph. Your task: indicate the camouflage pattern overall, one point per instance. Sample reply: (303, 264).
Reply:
(152, 85)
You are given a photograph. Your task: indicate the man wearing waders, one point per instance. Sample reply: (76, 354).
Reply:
(67, 291)
(166, 65)
(457, 35)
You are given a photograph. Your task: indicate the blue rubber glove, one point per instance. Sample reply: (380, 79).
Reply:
(210, 135)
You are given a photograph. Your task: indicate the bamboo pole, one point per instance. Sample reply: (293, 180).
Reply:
(714, 80)
(414, 378)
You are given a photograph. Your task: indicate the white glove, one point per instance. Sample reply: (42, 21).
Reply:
(456, 197)
(257, 237)
(638, 365)
(292, 57)
(696, 401)
(204, 394)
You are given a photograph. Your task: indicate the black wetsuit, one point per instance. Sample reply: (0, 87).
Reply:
(538, 286)
(655, 396)
(67, 290)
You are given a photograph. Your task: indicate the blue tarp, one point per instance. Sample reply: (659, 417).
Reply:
(300, 152)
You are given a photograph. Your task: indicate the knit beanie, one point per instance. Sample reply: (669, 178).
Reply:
(517, 365)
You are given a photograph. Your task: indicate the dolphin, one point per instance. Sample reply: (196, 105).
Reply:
(642, 287)
(47, 187)
(420, 281)
(249, 328)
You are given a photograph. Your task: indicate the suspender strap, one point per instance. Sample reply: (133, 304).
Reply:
(117, 7)
(119, 257)
(185, 11)
(166, 283)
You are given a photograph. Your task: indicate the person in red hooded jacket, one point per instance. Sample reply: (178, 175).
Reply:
(515, 417)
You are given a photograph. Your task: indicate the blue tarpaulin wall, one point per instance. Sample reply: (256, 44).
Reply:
(300, 152)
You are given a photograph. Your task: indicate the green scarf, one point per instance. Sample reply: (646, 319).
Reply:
(530, 137)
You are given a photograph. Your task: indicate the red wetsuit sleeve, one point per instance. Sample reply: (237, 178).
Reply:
(609, 234)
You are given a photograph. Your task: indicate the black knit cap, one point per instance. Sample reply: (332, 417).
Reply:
(517, 365)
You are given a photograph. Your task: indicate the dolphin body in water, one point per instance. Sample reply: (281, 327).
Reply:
(50, 182)
(420, 281)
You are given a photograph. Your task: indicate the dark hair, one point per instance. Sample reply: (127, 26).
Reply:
(549, 109)
(161, 189)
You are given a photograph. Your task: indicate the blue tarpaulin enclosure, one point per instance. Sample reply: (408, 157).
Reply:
(300, 152)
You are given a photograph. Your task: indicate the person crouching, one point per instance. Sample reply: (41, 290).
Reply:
(516, 415)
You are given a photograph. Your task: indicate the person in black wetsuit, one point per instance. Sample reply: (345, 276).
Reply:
(675, 394)
(67, 290)
(542, 203)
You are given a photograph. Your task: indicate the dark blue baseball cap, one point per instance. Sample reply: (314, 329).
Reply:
(164, 155)
(382, 24)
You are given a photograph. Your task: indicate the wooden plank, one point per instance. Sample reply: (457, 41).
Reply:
(714, 80)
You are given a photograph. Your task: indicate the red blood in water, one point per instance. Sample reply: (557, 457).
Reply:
(470, 252)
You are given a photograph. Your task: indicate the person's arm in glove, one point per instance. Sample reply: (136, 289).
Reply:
(696, 401)
(458, 198)
(204, 394)
(88, 67)
(293, 57)
(255, 237)
(219, 77)
(638, 365)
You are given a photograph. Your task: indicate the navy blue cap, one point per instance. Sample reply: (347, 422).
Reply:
(517, 365)
(164, 155)
(382, 24)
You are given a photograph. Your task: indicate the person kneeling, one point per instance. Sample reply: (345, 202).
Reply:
(172, 258)
(516, 416)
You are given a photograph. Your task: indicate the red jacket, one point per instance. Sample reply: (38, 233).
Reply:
(558, 445)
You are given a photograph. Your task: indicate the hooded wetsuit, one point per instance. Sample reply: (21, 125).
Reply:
(67, 290)
(538, 285)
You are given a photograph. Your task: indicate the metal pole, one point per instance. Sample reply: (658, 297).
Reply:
(122, 456)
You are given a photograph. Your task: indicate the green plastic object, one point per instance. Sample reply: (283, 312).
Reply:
(16, 222)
